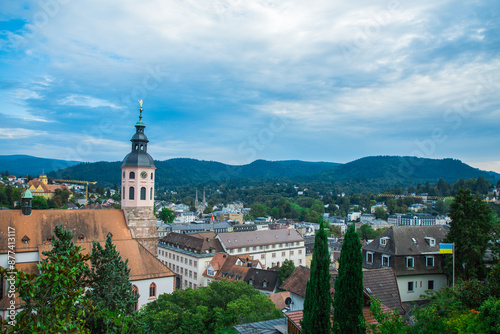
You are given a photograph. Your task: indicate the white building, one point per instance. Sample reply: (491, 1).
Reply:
(188, 255)
(271, 247)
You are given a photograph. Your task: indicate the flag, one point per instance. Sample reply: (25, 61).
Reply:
(446, 248)
(212, 219)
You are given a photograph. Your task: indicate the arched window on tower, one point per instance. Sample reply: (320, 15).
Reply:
(142, 147)
(151, 176)
(123, 193)
(143, 193)
(152, 290)
(151, 193)
(131, 193)
(131, 175)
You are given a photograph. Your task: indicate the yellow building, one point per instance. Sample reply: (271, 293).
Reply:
(231, 216)
(40, 187)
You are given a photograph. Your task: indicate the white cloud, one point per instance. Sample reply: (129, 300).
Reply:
(19, 133)
(86, 101)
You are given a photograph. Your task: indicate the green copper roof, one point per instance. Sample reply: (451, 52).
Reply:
(27, 194)
(140, 123)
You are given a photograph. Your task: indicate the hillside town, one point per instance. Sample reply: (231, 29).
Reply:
(171, 247)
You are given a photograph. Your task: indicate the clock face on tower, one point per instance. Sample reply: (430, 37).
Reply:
(144, 175)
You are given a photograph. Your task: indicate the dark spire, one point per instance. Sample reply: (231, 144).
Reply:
(139, 156)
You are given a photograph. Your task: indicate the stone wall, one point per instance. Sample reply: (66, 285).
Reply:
(142, 224)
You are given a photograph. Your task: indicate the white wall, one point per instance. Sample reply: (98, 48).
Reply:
(420, 283)
(163, 285)
(268, 255)
(20, 258)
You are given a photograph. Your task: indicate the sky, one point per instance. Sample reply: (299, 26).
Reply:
(235, 81)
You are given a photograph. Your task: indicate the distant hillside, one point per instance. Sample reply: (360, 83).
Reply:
(182, 171)
(22, 165)
(402, 170)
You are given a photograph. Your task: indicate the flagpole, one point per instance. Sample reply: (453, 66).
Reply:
(453, 264)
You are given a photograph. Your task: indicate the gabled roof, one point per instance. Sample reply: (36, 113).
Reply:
(258, 238)
(408, 240)
(48, 188)
(383, 284)
(259, 276)
(199, 243)
(93, 224)
(297, 281)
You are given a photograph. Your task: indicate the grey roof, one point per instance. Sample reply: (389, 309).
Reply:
(258, 276)
(408, 240)
(258, 238)
(138, 159)
(261, 327)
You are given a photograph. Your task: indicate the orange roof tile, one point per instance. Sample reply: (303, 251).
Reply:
(279, 299)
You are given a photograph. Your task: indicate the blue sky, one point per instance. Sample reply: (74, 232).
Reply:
(234, 80)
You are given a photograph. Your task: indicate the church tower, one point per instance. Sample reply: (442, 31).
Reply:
(138, 181)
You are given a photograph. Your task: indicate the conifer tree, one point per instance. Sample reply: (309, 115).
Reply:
(348, 298)
(110, 290)
(318, 301)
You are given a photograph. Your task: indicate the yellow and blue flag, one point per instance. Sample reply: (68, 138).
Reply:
(446, 248)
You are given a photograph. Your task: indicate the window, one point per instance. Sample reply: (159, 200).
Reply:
(264, 284)
(385, 260)
(177, 257)
(430, 285)
(291, 253)
(273, 256)
(300, 251)
(409, 262)
(131, 175)
(151, 193)
(195, 275)
(123, 193)
(186, 260)
(190, 284)
(383, 241)
(195, 286)
(151, 176)
(429, 261)
(152, 290)
(131, 193)
(190, 262)
(210, 272)
(262, 256)
(190, 274)
(185, 283)
(195, 263)
(410, 286)
(123, 174)
(369, 257)
(283, 254)
(300, 261)
(143, 193)
(250, 281)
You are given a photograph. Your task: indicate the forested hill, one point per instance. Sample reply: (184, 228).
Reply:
(181, 171)
(403, 170)
(22, 165)
(369, 173)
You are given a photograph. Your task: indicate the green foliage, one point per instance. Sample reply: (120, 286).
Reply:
(207, 309)
(286, 270)
(259, 210)
(54, 299)
(389, 323)
(39, 203)
(166, 215)
(472, 222)
(348, 299)
(110, 291)
(318, 301)
(366, 232)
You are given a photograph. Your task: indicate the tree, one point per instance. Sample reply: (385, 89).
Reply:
(166, 215)
(286, 270)
(318, 301)
(39, 203)
(472, 221)
(259, 210)
(366, 232)
(110, 291)
(348, 298)
(54, 299)
(381, 214)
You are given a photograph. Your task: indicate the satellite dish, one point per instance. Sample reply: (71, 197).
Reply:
(288, 301)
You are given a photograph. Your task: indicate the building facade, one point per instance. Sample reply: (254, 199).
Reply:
(271, 247)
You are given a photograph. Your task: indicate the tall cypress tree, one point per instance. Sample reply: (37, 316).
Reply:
(348, 298)
(318, 301)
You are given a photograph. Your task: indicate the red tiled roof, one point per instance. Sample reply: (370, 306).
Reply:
(279, 299)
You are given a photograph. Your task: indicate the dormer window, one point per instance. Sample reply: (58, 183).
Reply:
(250, 281)
(224, 274)
(81, 237)
(264, 284)
(385, 260)
(383, 241)
(25, 239)
(369, 257)
(430, 241)
(410, 263)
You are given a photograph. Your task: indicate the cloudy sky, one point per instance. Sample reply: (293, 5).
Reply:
(235, 80)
